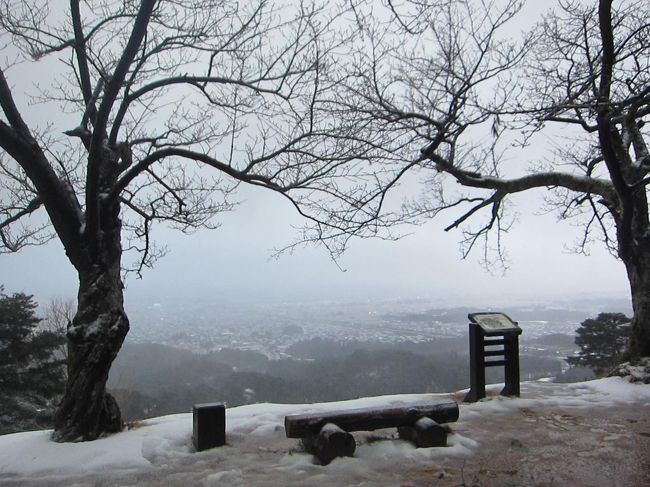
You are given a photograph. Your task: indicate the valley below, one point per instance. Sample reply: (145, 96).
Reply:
(180, 354)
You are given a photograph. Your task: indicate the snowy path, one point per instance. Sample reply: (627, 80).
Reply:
(542, 438)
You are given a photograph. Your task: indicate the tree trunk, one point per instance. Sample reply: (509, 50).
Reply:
(94, 338)
(638, 270)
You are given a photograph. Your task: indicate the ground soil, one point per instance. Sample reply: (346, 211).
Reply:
(551, 445)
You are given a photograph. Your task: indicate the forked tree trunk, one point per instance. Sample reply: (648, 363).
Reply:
(94, 339)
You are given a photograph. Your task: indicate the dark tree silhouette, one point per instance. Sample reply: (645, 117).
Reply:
(32, 368)
(162, 109)
(446, 94)
(603, 341)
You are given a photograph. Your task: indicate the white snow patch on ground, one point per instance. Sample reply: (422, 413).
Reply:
(160, 451)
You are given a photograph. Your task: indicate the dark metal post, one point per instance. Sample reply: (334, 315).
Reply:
(476, 364)
(209, 426)
(511, 373)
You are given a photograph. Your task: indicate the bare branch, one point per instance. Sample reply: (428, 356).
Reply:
(96, 155)
(82, 60)
(33, 205)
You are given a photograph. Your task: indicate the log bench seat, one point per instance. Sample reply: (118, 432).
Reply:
(327, 434)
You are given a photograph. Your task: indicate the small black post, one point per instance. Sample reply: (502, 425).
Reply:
(209, 426)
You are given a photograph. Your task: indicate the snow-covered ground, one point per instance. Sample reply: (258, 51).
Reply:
(159, 451)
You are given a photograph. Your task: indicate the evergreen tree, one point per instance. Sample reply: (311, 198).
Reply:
(31, 366)
(602, 341)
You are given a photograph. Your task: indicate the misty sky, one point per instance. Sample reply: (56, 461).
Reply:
(233, 262)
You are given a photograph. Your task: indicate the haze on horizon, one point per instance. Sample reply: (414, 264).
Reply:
(234, 263)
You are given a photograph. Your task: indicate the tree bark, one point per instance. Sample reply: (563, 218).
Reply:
(94, 338)
(638, 270)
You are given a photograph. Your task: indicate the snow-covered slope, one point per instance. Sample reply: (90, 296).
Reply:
(159, 451)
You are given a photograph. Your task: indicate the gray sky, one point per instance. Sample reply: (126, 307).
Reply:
(233, 261)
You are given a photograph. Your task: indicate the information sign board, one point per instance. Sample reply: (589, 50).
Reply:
(486, 332)
(494, 322)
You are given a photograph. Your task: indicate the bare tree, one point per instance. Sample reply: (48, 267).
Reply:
(167, 107)
(450, 95)
(58, 314)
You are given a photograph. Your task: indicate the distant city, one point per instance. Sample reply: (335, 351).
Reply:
(180, 353)
(204, 326)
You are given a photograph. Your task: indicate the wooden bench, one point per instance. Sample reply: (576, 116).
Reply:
(327, 435)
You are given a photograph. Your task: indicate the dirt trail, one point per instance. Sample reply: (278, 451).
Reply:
(550, 443)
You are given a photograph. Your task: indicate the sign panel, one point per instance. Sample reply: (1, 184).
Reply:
(494, 322)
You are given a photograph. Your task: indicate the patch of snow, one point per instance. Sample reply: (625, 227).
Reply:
(159, 451)
(638, 372)
(93, 328)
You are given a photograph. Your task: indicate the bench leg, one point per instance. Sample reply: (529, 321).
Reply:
(330, 442)
(424, 433)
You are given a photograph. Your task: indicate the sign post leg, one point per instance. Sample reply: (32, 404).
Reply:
(511, 373)
(476, 365)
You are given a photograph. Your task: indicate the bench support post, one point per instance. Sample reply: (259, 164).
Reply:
(330, 442)
(424, 433)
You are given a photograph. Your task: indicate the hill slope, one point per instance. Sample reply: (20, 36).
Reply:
(589, 434)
